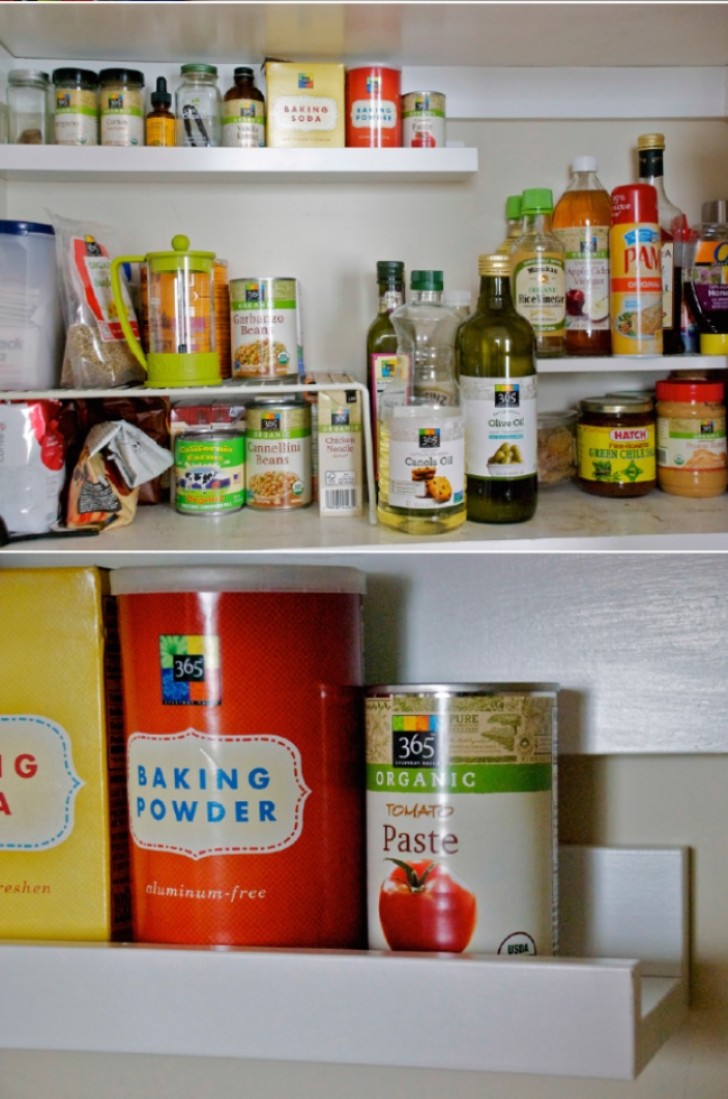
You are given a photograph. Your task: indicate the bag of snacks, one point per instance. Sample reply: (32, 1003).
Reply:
(32, 470)
(97, 355)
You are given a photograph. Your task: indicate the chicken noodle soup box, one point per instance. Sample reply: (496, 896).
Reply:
(244, 754)
(306, 105)
(63, 832)
(461, 817)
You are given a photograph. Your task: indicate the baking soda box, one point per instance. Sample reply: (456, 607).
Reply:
(305, 105)
(63, 830)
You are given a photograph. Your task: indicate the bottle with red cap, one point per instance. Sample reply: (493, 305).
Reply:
(635, 287)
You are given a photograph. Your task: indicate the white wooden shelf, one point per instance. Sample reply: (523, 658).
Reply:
(98, 164)
(575, 1015)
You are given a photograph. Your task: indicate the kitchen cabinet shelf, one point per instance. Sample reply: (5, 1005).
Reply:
(587, 1013)
(99, 164)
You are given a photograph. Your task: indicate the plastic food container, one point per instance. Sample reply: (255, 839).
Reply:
(556, 447)
(244, 754)
(691, 438)
(31, 330)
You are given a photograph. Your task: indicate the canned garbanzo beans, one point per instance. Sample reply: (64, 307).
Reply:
(278, 465)
(461, 811)
(265, 328)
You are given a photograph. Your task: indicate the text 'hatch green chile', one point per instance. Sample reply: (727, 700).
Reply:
(496, 354)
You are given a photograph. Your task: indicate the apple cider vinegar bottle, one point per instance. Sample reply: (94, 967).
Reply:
(581, 222)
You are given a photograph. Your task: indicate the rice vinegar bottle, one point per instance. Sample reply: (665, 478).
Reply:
(537, 273)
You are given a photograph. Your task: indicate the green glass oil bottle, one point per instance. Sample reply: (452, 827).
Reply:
(496, 356)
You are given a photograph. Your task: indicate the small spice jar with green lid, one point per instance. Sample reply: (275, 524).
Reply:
(199, 106)
(692, 459)
(121, 106)
(616, 446)
(76, 106)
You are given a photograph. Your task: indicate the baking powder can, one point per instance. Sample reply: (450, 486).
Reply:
(243, 732)
(373, 107)
(635, 254)
(265, 328)
(423, 120)
(461, 817)
(278, 454)
(209, 470)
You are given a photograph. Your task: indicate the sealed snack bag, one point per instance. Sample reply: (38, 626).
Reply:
(97, 355)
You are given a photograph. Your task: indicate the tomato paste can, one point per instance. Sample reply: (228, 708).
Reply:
(461, 817)
(243, 726)
(209, 470)
(279, 468)
(636, 291)
(265, 328)
(373, 107)
(423, 120)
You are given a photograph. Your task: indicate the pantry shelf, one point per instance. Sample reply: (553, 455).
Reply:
(99, 164)
(583, 1014)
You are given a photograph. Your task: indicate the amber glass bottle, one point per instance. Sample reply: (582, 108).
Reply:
(582, 219)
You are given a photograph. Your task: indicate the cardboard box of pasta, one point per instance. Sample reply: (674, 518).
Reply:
(63, 833)
(306, 106)
(337, 422)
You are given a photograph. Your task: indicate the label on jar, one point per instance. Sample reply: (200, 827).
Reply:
(426, 460)
(501, 427)
(200, 795)
(617, 455)
(586, 265)
(692, 444)
(76, 118)
(122, 116)
(243, 124)
(460, 822)
(38, 783)
(539, 286)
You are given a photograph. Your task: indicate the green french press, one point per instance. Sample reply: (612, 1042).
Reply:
(181, 319)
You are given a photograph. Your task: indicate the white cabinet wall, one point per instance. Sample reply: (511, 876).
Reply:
(647, 760)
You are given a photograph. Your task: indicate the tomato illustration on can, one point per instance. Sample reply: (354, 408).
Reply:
(422, 906)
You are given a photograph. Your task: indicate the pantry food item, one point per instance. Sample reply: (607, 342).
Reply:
(338, 459)
(121, 106)
(278, 453)
(31, 326)
(636, 291)
(32, 470)
(76, 107)
(373, 114)
(265, 327)
(306, 106)
(691, 438)
(199, 106)
(447, 765)
(243, 112)
(423, 120)
(63, 837)
(243, 723)
(556, 447)
(28, 107)
(209, 470)
(616, 446)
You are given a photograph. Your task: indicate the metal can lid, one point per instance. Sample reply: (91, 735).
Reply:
(383, 689)
(28, 76)
(629, 406)
(497, 263)
(691, 392)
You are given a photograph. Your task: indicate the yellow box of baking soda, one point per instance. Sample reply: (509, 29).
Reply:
(63, 834)
(305, 105)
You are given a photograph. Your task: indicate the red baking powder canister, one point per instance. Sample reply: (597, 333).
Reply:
(244, 754)
(373, 115)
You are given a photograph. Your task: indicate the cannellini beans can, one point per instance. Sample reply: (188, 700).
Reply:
(265, 328)
(461, 817)
(242, 705)
(278, 454)
(423, 120)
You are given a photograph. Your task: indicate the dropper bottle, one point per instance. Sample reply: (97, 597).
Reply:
(160, 121)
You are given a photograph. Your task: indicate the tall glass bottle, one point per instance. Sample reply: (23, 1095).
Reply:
(496, 353)
(537, 273)
(651, 151)
(382, 340)
(514, 223)
(582, 219)
(421, 421)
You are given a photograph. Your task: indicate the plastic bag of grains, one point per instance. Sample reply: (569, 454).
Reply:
(96, 354)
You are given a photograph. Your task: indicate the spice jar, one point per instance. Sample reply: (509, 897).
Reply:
(76, 107)
(692, 458)
(28, 102)
(198, 106)
(616, 446)
(121, 104)
(556, 447)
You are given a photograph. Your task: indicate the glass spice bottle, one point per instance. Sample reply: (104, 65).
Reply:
(198, 106)
(28, 102)
(160, 128)
(243, 112)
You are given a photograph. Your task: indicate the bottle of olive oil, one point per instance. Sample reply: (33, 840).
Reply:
(382, 339)
(496, 353)
(421, 422)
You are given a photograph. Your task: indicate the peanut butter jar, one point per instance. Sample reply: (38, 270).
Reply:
(691, 438)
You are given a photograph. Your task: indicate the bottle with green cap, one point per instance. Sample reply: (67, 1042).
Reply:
(381, 337)
(514, 223)
(538, 282)
(496, 355)
(421, 438)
